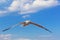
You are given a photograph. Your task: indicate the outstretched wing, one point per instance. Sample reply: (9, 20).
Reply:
(40, 26)
(6, 29)
(10, 27)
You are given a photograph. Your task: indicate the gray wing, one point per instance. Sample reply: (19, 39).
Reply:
(41, 26)
(10, 27)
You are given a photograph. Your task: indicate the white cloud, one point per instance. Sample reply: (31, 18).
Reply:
(3, 1)
(29, 6)
(38, 5)
(41, 37)
(23, 39)
(5, 36)
(3, 13)
(15, 5)
(25, 16)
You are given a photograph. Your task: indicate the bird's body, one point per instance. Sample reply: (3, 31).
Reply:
(26, 23)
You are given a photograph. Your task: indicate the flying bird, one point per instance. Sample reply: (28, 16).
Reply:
(26, 23)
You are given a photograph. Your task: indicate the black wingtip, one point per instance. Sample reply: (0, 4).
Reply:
(48, 30)
(4, 30)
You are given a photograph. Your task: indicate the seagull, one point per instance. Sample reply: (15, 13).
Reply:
(26, 23)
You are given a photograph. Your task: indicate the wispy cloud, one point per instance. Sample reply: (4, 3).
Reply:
(23, 39)
(5, 36)
(3, 13)
(37, 5)
(41, 37)
(15, 6)
(29, 6)
(3, 1)
(25, 16)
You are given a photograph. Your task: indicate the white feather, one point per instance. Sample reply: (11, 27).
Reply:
(27, 21)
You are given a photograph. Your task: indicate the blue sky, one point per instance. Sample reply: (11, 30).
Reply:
(45, 13)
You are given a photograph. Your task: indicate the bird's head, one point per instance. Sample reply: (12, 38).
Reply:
(27, 21)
